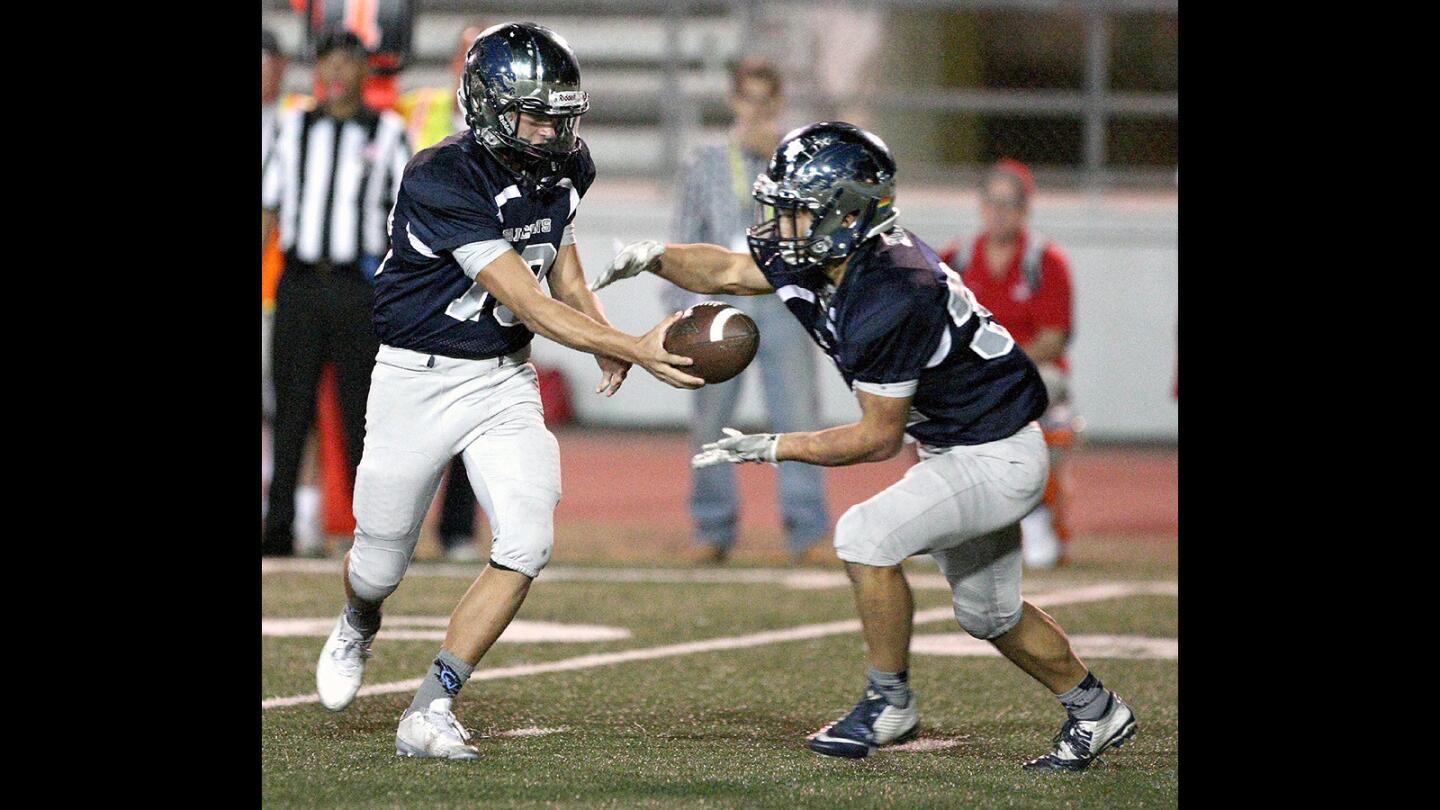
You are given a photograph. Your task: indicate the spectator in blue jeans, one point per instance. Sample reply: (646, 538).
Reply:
(714, 206)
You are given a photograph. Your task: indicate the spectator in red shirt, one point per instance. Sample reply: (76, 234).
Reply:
(1024, 280)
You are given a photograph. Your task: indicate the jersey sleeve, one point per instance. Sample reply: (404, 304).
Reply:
(476, 256)
(1052, 305)
(443, 212)
(894, 339)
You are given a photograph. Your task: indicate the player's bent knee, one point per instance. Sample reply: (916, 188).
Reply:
(393, 488)
(526, 537)
(861, 538)
(376, 568)
(987, 622)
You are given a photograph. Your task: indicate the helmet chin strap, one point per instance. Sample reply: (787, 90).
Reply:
(883, 226)
(516, 163)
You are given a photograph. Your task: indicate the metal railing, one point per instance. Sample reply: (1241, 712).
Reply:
(1082, 116)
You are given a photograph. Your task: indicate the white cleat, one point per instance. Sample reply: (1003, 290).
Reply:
(434, 732)
(897, 724)
(1080, 742)
(342, 665)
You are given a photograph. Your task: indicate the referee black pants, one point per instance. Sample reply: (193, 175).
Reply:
(321, 316)
(457, 510)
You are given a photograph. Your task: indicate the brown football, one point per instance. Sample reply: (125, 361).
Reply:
(720, 339)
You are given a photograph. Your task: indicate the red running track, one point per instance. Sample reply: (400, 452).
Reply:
(642, 480)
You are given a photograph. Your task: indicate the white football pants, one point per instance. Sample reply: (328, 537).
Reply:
(423, 410)
(962, 505)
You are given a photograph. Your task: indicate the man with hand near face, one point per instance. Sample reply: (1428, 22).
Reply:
(714, 206)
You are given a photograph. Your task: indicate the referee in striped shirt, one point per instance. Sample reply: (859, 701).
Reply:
(329, 182)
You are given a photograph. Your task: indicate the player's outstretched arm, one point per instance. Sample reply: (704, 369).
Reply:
(878, 435)
(698, 268)
(514, 285)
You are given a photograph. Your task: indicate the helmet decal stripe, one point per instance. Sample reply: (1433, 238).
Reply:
(843, 176)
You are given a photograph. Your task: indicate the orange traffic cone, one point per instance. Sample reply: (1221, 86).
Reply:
(334, 469)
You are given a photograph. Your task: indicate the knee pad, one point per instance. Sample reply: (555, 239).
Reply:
(987, 619)
(525, 535)
(376, 567)
(377, 563)
(860, 538)
(393, 490)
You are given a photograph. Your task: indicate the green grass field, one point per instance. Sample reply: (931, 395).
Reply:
(676, 726)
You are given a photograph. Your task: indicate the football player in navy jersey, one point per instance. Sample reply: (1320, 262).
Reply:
(923, 358)
(480, 219)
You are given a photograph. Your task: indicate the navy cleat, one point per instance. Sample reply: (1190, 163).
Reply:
(872, 723)
(1080, 742)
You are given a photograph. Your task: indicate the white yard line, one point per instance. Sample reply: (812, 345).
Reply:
(567, 573)
(1133, 648)
(432, 628)
(798, 579)
(1064, 596)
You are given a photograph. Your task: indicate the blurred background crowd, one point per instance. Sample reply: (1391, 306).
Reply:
(1037, 142)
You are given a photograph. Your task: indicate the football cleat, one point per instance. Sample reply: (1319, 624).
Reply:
(872, 723)
(341, 665)
(434, 732)
(1080, 742)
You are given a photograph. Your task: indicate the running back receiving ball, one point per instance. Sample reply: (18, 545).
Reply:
(924, 358)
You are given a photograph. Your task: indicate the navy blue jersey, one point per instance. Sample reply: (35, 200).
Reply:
(900, 323)
(456, 193)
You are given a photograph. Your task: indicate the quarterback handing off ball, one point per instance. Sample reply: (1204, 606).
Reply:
(721, 340)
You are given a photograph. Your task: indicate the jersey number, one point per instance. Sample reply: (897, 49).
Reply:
(991, 339)
(468, 307)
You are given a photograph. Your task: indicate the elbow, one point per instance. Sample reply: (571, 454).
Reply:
(735, 285)
(732, 280)
(884, 448)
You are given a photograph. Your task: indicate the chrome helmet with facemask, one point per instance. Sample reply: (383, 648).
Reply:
(515, 68)
(832, 170)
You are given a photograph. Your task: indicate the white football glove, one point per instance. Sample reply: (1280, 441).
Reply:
(740, 447)
(632, 260)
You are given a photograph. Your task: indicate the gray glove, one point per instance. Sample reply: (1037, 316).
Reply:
(739, 447)
(632, 260)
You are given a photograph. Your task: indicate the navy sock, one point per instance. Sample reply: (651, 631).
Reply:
(895, 686)
(1089, 700)
(365, 619)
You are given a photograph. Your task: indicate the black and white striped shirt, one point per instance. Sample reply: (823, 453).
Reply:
(334, 183)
